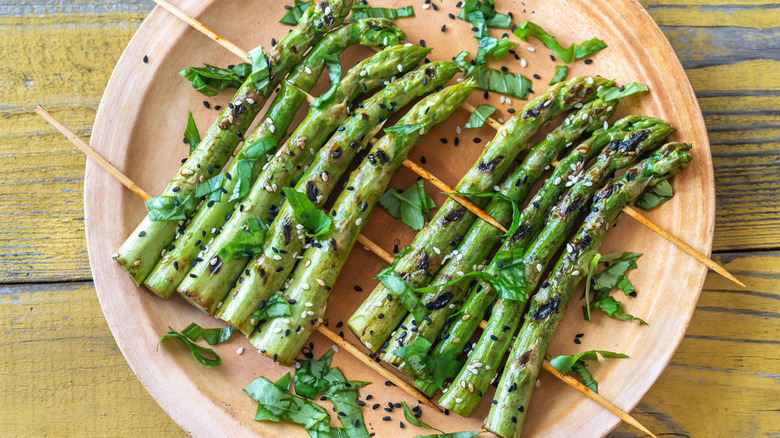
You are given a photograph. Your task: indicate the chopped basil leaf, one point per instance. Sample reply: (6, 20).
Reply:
(493, 19)
(436, 369)
(401, 291)
(309, 376)
(488, 79)
(245, 161)
(409, 415)
(613, 93)
(412, 205)
(502, 48)
(275, 307)
(249, 240)
(211, 336)
(612, 277)
(170, 208)
(210, 80)
(361, 11)
(312, 218)
(560, 74)
(196, 350)
(334, 73)
(191, 134)
(211, 187)
(575, 51)
(401, 130)
(277, 404)
(465, 434)
(576, 364)
(480, 114)
(293, 15)
(655, 196)
(260, 76)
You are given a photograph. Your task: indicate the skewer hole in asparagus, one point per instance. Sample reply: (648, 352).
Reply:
(244, 169)
(643, 135)
(417, 266)
(317, 272)
(475, 247)
(207, 283)
(548, 305)
(146, 245)
(268, 271)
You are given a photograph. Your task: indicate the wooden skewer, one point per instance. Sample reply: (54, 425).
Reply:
(384, 372)
(593, 395)
(81, 144)
(324, 330)
(370, 245)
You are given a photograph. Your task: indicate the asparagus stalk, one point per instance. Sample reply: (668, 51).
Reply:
(268, 271)
(452, 220)
(548, 305)
(312, 280)
(531, 220)
(480, 239)
(140, 252)
(173, 267)
(464, 393)
(208, 282)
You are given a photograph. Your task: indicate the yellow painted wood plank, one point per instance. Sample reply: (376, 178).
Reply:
(62, 373)
(703, 16)
(651, 3)
(759, 75)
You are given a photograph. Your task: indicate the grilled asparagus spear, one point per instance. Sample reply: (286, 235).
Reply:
(494, 340)
(431, 245)
(267, 273)
(140, 252)
(482, 236)
(207, 283)
(282, 338)
(173, 267)
(548, 305)
(531, 220)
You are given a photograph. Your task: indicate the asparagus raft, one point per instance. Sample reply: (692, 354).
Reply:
(267, 273)
(173, 267)
(431, 245)
(316, 274)
(208, 283)
(546, 311)
(141, 251)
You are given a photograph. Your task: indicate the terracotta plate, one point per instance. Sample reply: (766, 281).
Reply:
(139, 128)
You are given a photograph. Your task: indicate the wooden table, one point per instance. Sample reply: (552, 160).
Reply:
(62, 374)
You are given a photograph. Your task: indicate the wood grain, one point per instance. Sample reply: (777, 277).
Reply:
(42, 240)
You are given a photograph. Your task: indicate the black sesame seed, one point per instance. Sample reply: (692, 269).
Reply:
(142, 234)
(386, 418)
(146, 59)
(443, 27)
(457, 141)
(536, 76)
(511, 110)
(358, 288)
(217, 107)
(451, 16)
(588, 61)
(477, 140)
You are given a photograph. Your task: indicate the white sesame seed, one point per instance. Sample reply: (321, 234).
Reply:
(497, 188)
(578, 105)
(240, 351)
(408, 45)
(324, 176)
(272, 129)
(277, 257)
(308, 304)
(575, 273)
(458, 130)
(277, 330)
(426, 5)
(307, 70)
(502, 99)
(400, 68)
(436, 250)
(539, 267)
(606, 124)
(508, 101)
(137, 262)
(320, 282)
(230, 118)
(285, 320)
(466, 317)
(460, 80)
(458, 399)
(557, 180)
(187, 172)
(455, 340)
(369, 346)
(573, 167)
(461, 273)
(303, 315)
(384, 41)
(310, 313)
(335, 348)
(523, 62)
(327, 11)
(359, 221)
(538, 383)
(531, 49)
(500, 120)
(250, 101)
(451, 306)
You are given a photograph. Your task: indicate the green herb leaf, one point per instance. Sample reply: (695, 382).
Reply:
(249, 240)
(334, 73)
(576, 364)
(593, 267)
(211, 187)
(274, 307)
(245, 161)
(480, 114)
(210, 80)
(612, 277)
(361, 11)
(402, 130)
(170, 208)
(409, 415)
(465, 434)
(277, 404)
(191, 134)
(575, 51)
(211, 336)
(493, 19)
(412, 205)
(260, 76)
(311, 217)
(436, 369)
(293, 15)
(560, 74)
(655, 196)
(401, 291)
(613, 93)
(196, 350)
(612, 308)
(502, 48)
(309, 376)
(488, 79)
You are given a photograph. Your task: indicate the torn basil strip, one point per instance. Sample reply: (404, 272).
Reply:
(249, 240)
(614, 93)
(412, 205)
(204, 355)
(479, 115)
(316, 221)
(191, 134)
(334, 73)
(576, 364)
(210, 80)
(655, 196)
(170, 208)
(560, 74)
(567, 55)
(361, 11)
